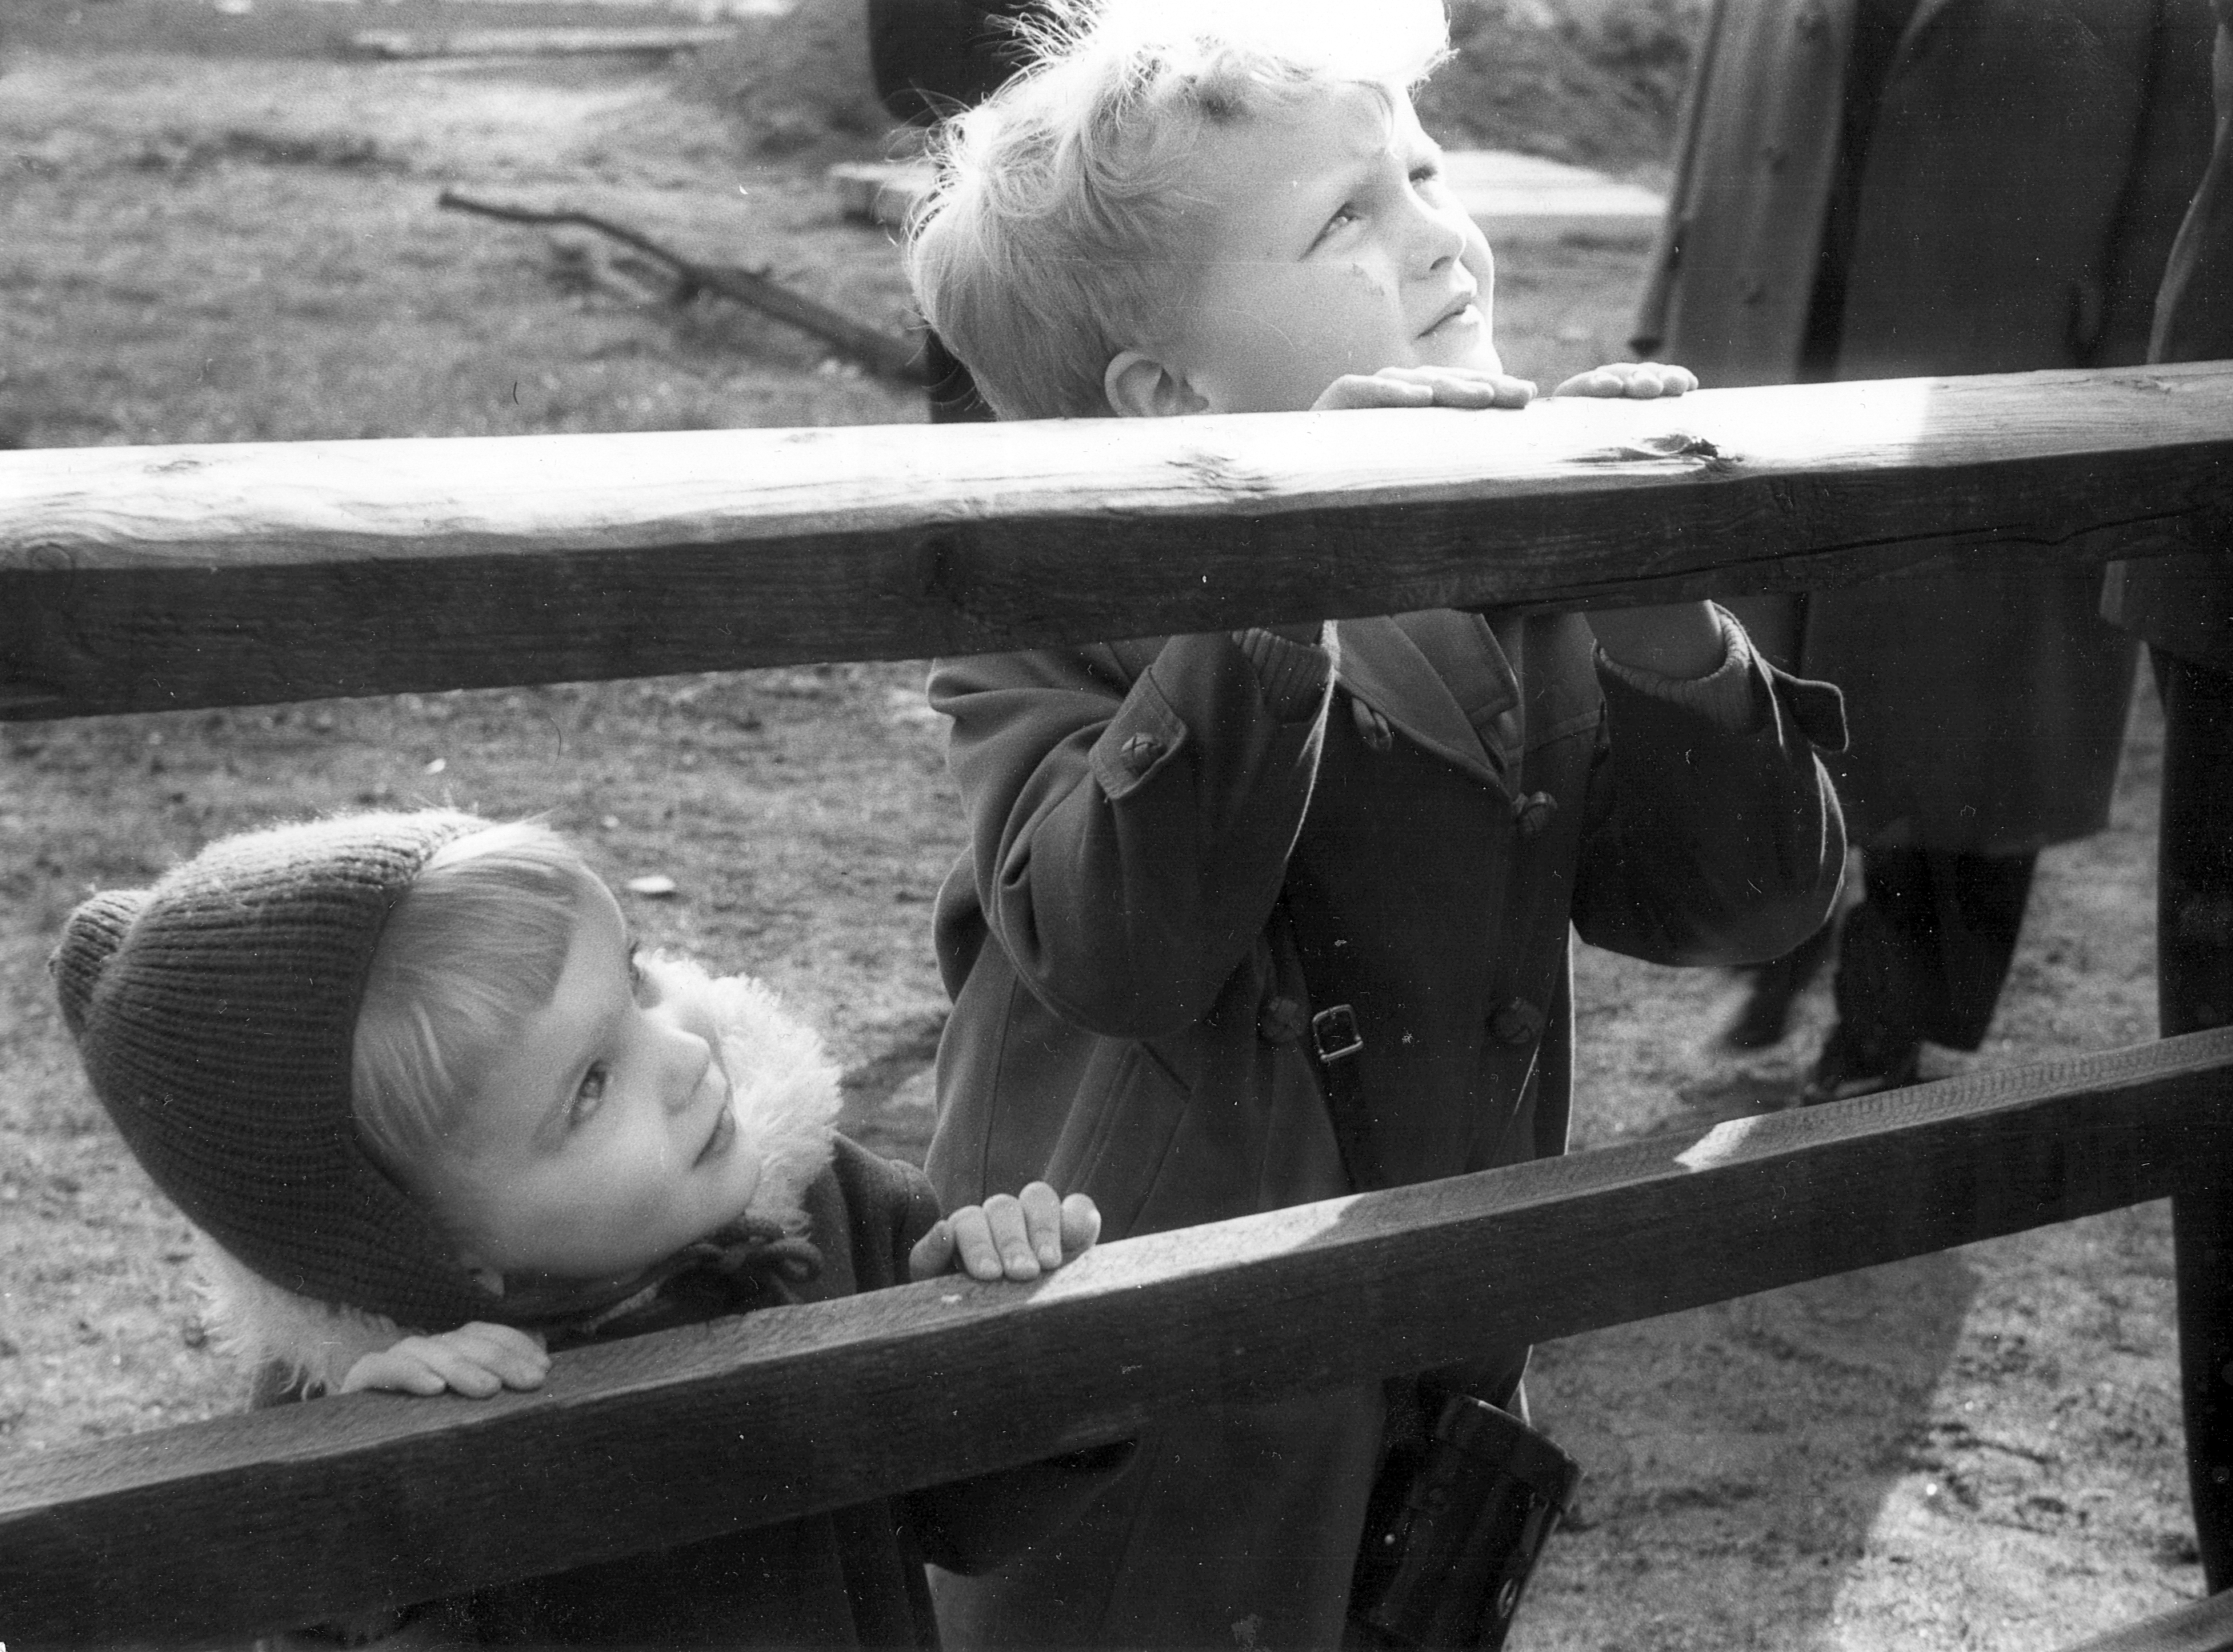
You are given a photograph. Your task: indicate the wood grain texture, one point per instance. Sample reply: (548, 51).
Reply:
(134, 579)
(256, 1522)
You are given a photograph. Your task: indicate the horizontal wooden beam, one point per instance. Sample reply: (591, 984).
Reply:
(257, 1522)
(147, 578)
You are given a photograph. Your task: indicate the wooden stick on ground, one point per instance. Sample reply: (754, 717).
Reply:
(570, 40)
(882, 353)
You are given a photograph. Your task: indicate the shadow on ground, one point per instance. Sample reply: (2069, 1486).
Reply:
(1737, 1475)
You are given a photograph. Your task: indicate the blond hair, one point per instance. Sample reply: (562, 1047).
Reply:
(476, 945)
(1052, 241)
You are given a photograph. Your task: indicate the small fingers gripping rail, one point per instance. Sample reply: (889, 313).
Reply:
(135, 579)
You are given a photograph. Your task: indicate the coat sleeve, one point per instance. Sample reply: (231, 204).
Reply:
(2182, 605)
(2194, 311)
(1714, 834)
(884, 1205)
(972, 1525)
(1130, 811)
(1648, 334)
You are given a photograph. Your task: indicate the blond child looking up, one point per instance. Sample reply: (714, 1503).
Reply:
(1258, 918)
(437, 1116)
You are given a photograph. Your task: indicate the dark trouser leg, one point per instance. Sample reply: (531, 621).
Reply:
(1926, 953)
(2194, 982)
(1774, 988)
(1884, 954)
(1979, 902)
(1923, 956)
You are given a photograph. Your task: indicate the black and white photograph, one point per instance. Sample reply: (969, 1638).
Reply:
(1015, 825)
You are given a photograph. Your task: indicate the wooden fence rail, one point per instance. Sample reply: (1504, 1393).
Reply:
(140, 579)
(274, 1519)
(153, 578)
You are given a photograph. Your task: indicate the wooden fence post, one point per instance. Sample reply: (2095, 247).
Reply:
(2202, 1237)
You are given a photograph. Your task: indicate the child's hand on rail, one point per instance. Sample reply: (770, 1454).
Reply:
(1637, 380)
(1427, 386)
(475, 1360)
(1008, 1237)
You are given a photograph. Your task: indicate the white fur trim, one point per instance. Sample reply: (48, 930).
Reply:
(260, 1324)
(782, 1086)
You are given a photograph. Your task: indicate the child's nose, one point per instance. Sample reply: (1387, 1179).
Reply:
(688, 1060)
(1440, 236)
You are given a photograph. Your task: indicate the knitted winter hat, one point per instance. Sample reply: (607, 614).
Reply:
(214, 1013)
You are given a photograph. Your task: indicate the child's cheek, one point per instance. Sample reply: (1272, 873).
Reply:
(1371, 283)
(1490, 358)
(1481, 264)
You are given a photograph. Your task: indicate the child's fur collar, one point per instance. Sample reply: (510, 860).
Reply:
(784, 1090)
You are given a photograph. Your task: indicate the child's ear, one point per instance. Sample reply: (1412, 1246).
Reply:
(1141, 387)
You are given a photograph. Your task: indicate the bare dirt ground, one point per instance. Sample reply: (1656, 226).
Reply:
(1980, 1449)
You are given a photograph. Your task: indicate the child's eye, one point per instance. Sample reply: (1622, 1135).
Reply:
(641, 987)
(588, 1096)
(1426, 171)
(1347, 215)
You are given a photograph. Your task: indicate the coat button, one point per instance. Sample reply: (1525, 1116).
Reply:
(1281, 1020)
(1503, 736)
(1139, 752)
(1534, 812)
(1371, 727)
(1515, 1022)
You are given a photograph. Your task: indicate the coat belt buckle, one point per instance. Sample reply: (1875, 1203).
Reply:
(1334, 1032)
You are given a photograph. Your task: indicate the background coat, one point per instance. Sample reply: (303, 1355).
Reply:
(2184, 605)
(2025, 174)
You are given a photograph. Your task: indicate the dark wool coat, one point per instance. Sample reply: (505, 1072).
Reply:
(2184, 605)
(2024, 174)
(1160, 870)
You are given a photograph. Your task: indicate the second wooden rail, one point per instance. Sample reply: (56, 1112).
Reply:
(280, 1518)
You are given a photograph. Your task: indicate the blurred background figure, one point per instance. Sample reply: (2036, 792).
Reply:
(2182, 605)
(931, 58)
(1872, 189)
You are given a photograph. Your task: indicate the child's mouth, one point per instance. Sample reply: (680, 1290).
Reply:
(725, 1132)
(1466, 315)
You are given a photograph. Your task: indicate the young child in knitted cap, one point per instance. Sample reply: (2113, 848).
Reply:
(1258, 918)
(439, 1116)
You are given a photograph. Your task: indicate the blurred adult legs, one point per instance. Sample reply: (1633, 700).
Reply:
(1923, 956)
(1773, 988)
